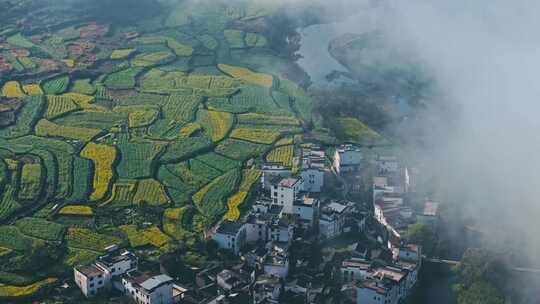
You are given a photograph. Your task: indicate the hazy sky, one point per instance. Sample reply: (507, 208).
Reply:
(485, 58)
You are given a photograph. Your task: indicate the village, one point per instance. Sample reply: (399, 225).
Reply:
(297, 244)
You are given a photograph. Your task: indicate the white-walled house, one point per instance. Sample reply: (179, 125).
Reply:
(387, 164)
(286, 192)
(332, 219)
(148, 288)
(97, 276)
(90, 279)
(307, 210)
(230, 235)
(376, 291)
(354, 269)
(347, 158)
(313, 170)
(272, 173)
(313, 178)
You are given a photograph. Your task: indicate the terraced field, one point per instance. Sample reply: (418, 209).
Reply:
(145, 136)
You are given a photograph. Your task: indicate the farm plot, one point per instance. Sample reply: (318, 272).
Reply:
(30, 183)
(255, 40)
(83, 86)
(283, 155)
(178, 109)
(20, 41)
(8, 202)
(351, 129)
(208, 41)
(210, 200)
(218, 161)
(121, 53)
(93, 120)
(149, 236)
(32, 89)
(82, 180)
(17, 65)
(249, 177)
(46, 128)
(178, 188)
(41, 229)
(12, 89)
(189, 130)
(151, 192)
(180, 150)
(83, 238)
(27, 118)
(261, 119)
(152, 59)
(57, 85)
(59, 105)
(249, 99)
(217, 124)
(177, 222)
(139, 115)
(103, 157)
(261, 79)
(235, 38)
(12, 238)
(125, 79)
(122, 193)
(75, 257)
(76, 210)
(203, 170)
(239, 149)
(3, 174)
(256, 134)
(136, 159)
(14, 292)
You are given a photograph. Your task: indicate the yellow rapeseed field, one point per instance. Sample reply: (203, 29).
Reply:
(247, 75)
(12, 89)
(103, 157)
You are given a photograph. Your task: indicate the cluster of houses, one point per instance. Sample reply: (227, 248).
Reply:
(290, 216)
(118, 269)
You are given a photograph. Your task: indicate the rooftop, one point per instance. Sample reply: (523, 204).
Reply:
(391, 273)
(89, 270)
(112, 258)
(356, 263)
(149, 281)
(431, 208)
(289, 182)
(229, 227)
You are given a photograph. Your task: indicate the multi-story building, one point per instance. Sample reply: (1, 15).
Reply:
(97, 276)
(90, 279)
(347, 158)
(286, 192)
(230, 235)
(146, 288)
(272, 173)
(354, 269)
(332, 219)
(307, 211)
(373, 290)
(313, 170)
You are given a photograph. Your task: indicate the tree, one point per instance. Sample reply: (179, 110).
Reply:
(480, 292)
(422, 235)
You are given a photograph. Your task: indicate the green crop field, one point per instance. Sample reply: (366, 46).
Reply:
(143, 132)
(57, 85)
